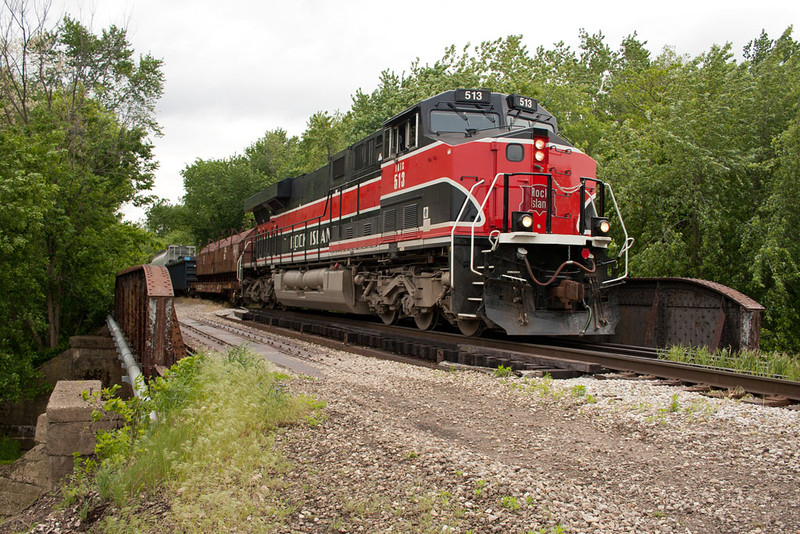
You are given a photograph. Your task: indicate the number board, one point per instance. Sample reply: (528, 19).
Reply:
(523, 102)
(473, 96)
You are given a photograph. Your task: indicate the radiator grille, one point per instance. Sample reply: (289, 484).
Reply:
(390, 220)
(410, 217)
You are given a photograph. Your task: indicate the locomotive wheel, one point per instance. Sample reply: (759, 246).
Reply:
(388, 318)
(471, 327)
(426, 321)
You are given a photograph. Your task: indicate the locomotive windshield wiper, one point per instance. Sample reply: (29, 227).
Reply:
(458, 112)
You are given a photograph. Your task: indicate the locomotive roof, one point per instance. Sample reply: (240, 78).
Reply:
(508, 107)
(498, 102)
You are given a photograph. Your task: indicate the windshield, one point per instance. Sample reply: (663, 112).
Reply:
(462, 121)
(516, 122)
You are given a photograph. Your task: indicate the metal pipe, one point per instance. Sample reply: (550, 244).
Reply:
(134, 377)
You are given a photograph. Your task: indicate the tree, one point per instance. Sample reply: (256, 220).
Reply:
(77, 113)
(215, 195)
(325, 135)
(169, 222)
(274, 156)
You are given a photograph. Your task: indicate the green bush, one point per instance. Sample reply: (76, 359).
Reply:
(205, 435)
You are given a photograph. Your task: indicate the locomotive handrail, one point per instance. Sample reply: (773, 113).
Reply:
(327, 210)
(550, 182)
(239, 271)
(481, 218)
(455, 225)
(626, 245)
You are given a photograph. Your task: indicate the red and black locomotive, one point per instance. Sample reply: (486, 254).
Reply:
(468, 206)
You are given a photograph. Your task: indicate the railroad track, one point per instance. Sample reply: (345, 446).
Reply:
(220, 335)
(196, 337)
(558, 359)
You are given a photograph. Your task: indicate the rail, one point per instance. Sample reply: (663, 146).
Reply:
(145, 312)
(437, 346)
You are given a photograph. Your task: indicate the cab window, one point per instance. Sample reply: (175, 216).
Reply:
(403, 135)
(515, 122)
(462, 121)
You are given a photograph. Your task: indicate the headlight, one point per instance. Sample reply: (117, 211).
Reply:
(539, 144)
(539, 155)
(521, 221)
(600, 226)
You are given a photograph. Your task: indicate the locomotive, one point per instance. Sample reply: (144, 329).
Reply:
(467, 207)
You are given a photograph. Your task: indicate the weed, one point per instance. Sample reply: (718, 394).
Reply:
(699, 409)
(479, 486)
(777, 364)
(529, 500)
(411, 455)
(502, 371)
(578, 390)
(544, 387)
(510, 502)
(674, 405)
(555, 529)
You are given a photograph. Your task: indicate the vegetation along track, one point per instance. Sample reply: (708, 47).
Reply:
(557, 358)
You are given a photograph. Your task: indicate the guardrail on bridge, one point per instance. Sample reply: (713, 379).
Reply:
(145, 311)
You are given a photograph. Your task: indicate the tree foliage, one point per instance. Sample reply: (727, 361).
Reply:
(76, 112)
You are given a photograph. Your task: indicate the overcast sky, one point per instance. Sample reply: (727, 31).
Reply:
(237, 68)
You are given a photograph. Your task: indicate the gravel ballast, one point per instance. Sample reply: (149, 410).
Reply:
(406, 448)
(411, 449)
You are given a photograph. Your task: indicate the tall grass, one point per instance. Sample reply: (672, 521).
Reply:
(774, 364)
(211, 448)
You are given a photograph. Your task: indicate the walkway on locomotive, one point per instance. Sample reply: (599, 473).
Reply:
(404, 187)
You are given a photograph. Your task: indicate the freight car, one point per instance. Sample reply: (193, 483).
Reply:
(467, 206)
(217, 267)
(181, 262)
